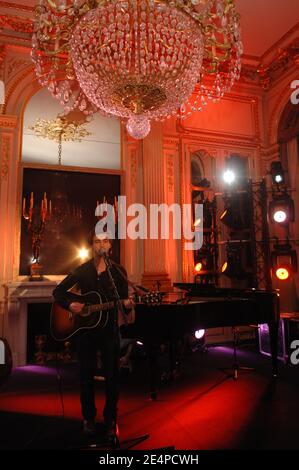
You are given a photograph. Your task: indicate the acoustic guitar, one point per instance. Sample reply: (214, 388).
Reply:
(95, 314)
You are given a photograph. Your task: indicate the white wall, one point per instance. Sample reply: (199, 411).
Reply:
(99, 150)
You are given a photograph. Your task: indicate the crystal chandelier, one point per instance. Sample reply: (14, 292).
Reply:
(139, 60)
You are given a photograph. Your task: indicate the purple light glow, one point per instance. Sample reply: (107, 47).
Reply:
(36, 369)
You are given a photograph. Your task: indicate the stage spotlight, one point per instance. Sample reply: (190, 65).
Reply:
(284, 261)
(232, 267)
(199, 334)
(281, 210)
(282, 273)
(232, 218)
(227, 217)
(197, 341)
(277, 173)
(229, 177)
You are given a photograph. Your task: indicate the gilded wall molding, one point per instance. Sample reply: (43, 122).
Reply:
(5, 152)
(2, 60)
(7, 124)
(133, 168)
(170, 172)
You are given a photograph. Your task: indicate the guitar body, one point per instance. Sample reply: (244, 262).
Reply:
(65, 324)
(95, 314)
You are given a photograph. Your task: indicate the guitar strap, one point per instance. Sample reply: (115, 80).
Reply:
(130, 317)
(134, 286)
(130, 283)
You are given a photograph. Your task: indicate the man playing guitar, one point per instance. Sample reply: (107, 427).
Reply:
(92, 276)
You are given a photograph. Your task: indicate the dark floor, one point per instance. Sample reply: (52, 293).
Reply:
(201, 409)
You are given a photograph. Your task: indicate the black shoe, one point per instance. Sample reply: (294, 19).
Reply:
(111, 429)
(112, 434)
(89, 427)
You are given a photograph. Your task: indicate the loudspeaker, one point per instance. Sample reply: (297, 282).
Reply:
(288, 331)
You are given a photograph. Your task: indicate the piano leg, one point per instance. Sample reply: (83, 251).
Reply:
(273, 333)
(273, 325)
(152, 357)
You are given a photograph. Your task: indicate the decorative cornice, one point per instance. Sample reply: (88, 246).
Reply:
(285, 58)
(269, 151)
(171, 142)
(8, 122)
(225, 142)
(249, 74)
(17, 24)
(16, 6)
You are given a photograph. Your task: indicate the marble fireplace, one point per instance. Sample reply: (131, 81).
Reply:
(17, 297)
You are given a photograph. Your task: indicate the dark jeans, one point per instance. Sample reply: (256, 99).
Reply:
(88, 343)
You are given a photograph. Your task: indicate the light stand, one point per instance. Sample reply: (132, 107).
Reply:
(235, 367)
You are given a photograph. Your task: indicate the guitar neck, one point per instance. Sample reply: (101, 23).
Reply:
(104, 306)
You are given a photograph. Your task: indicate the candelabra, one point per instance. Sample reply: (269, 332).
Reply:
(36, 222)
(105, 212)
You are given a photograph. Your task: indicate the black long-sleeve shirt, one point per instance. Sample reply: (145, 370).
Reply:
(87, 279)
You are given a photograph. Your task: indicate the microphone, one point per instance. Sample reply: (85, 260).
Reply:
(105, 256)
(103, 252)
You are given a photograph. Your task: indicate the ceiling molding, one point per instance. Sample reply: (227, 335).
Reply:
(16, 6)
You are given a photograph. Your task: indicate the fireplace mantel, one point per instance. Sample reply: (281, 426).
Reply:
(17, 296)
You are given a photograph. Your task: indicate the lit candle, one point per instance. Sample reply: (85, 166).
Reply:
(42, 210)
(46, 202)
(105, 204)
(50, 207)
(115, 207)
(31, 200)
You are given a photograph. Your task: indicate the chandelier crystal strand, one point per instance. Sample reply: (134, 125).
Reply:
(146, 83)
(139, 60)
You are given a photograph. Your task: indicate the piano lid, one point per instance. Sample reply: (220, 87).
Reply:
(211, 290)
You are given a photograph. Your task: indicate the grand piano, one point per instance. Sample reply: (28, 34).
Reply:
(203, 306)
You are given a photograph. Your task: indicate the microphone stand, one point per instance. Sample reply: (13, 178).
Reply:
(115, 444)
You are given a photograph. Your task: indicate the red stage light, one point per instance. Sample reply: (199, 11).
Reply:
(282, 273)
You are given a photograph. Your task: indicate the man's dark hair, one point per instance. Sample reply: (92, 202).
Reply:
(90, 237)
